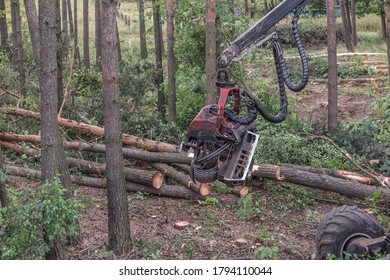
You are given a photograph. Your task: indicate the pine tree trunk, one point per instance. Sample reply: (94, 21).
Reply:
(60, 48)
(4, 201)
(159, 69)
(87, 62)
(3, 26)
(98, 34)
(70, 16)
(246, 7)
(353, 23)
(119, 43)
(383, 24)
(171, 62)
(33, 26)
(76, 34)
(253, 8)
(211, 51)
(17, 40)
(142, 30)
(346, 26)
(118, 220)
(49, 99)
(332, 68)
(387, 9)
(265, 6)
(64, 11)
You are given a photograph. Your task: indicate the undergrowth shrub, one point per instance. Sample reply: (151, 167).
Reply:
(33, 214)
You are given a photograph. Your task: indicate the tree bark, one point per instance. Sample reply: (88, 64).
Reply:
(171, 63)
(4, 200)
(387, 8)
(211, 51)
(64, 10)
(17, 40)
(87, 62)
(383, 24)
(118, 219)
(332, 67)
(119, 44)
(98, 34)
(346, 26)
(166, 191)
(70, 16)
(246, 7)
(60, 52)
(50, 158)
(265, 6)
(129, 140)
(33, 26)
(353, 23)
(142, 30)
(318, 181)
(3, 26)
(159, 69)
(76, 34)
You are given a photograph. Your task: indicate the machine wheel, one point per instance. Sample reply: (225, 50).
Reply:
(343, 225)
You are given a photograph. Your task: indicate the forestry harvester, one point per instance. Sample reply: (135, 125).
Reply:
(222, 141)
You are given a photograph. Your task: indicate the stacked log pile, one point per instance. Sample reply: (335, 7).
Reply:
(165, 171)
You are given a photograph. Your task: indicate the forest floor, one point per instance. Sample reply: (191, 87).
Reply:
(284, 217)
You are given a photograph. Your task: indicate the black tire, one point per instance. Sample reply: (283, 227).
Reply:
(340, 226)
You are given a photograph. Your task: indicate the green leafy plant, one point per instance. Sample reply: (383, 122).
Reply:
(266, 253)
(35, 219)
(248, 207)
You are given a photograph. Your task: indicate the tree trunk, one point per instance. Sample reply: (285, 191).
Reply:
(60, 52)
(159, 69)
(76, 34)
(64, 11)
(246, 7)
(70, 16)
(253, 8)
(33, 26)
(142, 30)
(383, 24)
(387, 8)
(167, 190)
(353, 23)
(265, 6)
(211, 51)
(118, 219)
(49, 98)
(3, 26)
(4, 201)
(87, 62)
(17, 40)
(318, 181)
(129, 140)
(346, 26)
(119, 44)
(98, 34)
(332, 67)
(171, 63)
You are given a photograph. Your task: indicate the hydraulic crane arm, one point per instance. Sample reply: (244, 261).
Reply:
(259, 29)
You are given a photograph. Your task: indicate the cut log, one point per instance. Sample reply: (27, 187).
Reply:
(181, 178)
(99, 148)
(319, 181)
(128, 140)
(149, 178)
(166, 191)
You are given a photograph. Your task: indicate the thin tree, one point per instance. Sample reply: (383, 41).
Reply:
(211, 51)
(118, 219)
(119, 43)
(246, 7)
(98, 34)
(3, 25)
(159, 68)
(4, 201)
(52, 154)
(17, 43)
(70, 16)
(60, 52)
(387, 11)
(353, 23)
(265, 6)
(171, 62)
(33, 26)
(142, 29)
(346, 25)
(332, 67)
(64, 11)
(87, 62)
(76, 34)
(253, 8)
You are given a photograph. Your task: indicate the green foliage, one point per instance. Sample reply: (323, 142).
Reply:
(210, 201)
(266, 253)
(382, 107)
(34, 220)
(248, 207)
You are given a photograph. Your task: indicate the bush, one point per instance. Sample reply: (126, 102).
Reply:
(34, 220)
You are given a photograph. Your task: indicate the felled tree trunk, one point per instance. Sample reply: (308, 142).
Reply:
(318, 181)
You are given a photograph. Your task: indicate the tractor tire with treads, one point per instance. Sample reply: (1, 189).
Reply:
(340, 226)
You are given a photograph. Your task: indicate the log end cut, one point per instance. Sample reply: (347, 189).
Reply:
(182, 225)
